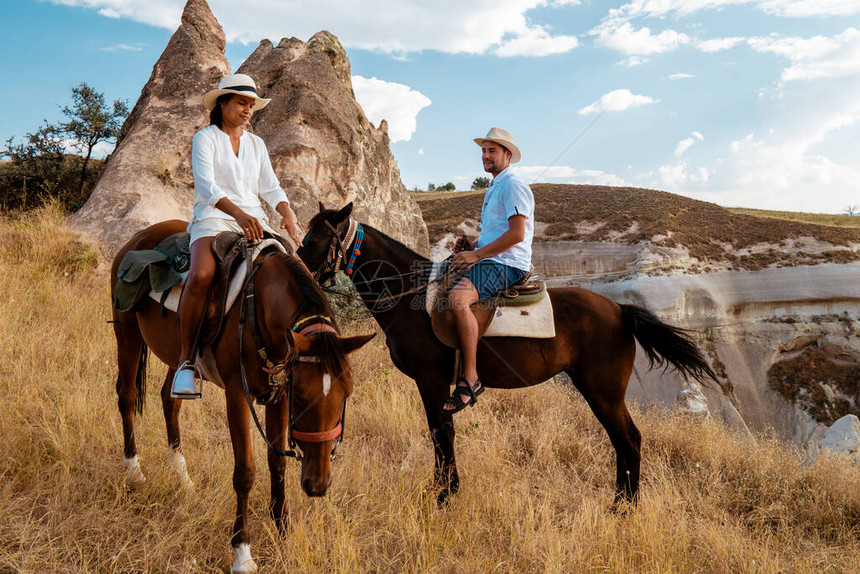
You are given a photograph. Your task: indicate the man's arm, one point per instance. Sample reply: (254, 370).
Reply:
(515, 234)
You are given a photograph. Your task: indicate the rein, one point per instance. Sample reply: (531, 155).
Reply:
(281, 374)
(334, 257)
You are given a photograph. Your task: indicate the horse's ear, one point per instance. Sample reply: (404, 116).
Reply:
(354, 343)
(301, 344)
(343, 214)
(322, 207)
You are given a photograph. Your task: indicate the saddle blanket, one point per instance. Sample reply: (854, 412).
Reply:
(236, 282)
(534, 321)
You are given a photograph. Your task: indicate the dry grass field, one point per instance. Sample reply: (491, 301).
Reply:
(536, 468)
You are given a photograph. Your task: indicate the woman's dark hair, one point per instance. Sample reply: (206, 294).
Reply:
(216, 116)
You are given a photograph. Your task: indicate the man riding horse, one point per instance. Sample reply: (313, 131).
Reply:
(499, 258)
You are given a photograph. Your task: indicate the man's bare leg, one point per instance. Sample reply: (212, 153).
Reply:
(461, 297)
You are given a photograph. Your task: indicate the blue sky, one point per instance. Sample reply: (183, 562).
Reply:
(741, 102)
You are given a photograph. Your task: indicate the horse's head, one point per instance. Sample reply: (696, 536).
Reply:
(322, 381)
(324, 244)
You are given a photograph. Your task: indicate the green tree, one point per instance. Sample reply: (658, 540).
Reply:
(40, 170)
(36, 168)
(447, 187)
(481, 183)
(90, 122)
(431, 187)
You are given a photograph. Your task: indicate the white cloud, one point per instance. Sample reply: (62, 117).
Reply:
(123, 48)
(807, 8)
(567, 174)
(100, 151)
(784, 8)
(397, 103)
(817, 57)
(160, 13)
(391, 26)
(617, 101)
(795, 166)
(633, 61)
(679, 177)
(687, 143)
(536, 41)
(680, 76)
(719, 44)
(421, 151)
(624, 38)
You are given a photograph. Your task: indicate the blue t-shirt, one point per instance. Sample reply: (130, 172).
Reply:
(508, 195)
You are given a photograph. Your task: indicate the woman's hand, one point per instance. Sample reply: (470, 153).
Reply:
(250, 226)
(288, 222)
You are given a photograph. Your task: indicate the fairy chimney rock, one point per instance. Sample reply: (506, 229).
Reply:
(322, 146)
(148, 177)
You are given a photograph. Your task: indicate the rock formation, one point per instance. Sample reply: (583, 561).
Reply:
(148, 177)
(321, 145)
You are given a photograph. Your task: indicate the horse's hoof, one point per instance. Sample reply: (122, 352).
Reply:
(177, 461)
(133, 474)
(244, 562)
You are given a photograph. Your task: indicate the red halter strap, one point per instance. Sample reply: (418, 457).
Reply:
(322, 436)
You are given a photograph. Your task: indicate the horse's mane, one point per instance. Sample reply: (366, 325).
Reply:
(314, 302)
(316, 219)
(397, 244)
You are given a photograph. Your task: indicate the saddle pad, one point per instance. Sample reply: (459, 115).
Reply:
(534, 321)
(236, 282)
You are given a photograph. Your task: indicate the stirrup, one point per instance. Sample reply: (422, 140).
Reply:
(187, 389)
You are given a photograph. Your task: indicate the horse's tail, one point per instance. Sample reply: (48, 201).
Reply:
(667, 344)
(140, 379)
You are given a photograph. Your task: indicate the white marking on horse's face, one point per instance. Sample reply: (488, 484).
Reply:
(326, 384)
(244, 562)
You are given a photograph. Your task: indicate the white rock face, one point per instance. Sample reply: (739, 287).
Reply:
(745, 320)
(843, 436)
(148, 177)
(692, 401)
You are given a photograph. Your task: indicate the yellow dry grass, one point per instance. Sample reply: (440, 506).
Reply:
(536, 468)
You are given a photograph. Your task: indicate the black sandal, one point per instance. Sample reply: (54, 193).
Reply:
(460, 392)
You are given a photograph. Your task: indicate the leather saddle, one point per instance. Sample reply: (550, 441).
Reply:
(530, 289)
(229, 251)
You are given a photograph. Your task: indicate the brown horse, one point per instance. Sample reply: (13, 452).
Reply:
(308, 415)
(594, 343)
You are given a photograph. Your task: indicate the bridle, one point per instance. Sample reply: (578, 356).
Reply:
(336, 251)
(281, 374)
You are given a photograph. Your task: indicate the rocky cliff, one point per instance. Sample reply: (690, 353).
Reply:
(148, 177)
(321, 145)
(774, 304)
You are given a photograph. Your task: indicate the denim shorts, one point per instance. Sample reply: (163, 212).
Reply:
(489, 277)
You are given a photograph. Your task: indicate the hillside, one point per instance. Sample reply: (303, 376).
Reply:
(710, 233)
(536, 468)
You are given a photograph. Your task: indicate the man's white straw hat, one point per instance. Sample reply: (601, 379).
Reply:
(240, 84)
(504, 139)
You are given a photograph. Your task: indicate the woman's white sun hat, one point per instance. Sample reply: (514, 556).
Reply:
(240, 84)
(504, 139)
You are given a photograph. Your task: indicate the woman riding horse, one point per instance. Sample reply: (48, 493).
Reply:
(278, 345)
(232, 171)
